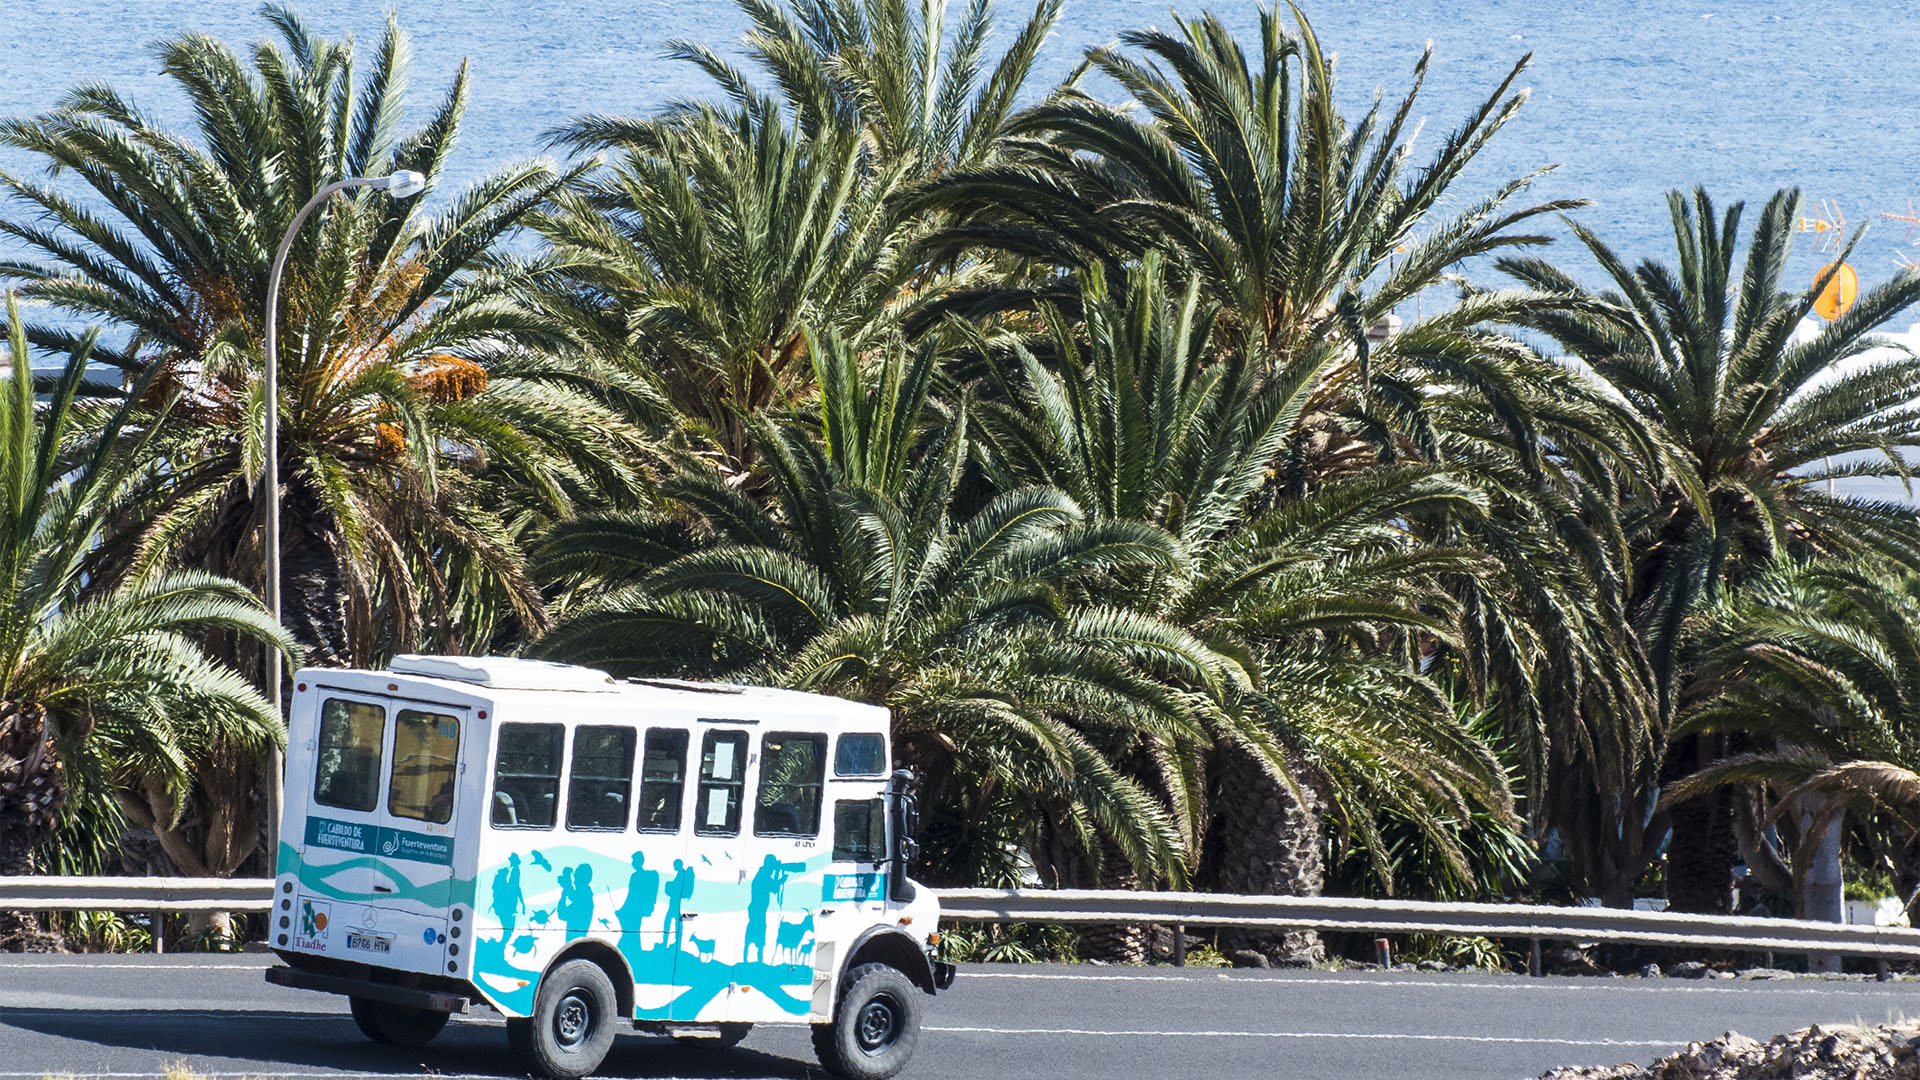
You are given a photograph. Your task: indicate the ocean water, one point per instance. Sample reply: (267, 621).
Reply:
(1629, 98)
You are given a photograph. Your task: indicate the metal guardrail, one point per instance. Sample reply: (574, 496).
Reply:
(169, 894)
(1178, 909)
(1421, 917)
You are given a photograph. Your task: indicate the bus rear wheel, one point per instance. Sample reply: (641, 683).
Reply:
(396, 1025)
(875, 1027)
(573, 1021)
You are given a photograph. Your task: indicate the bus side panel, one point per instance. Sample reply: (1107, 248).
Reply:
(539, 893)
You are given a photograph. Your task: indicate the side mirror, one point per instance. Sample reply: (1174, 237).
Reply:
(903, 812)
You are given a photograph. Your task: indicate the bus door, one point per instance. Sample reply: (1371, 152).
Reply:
(339, 843)
(706, 897)
(856, 882)
(411, 882)
(787, 859)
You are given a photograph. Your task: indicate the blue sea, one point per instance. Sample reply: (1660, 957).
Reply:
(1629, 99)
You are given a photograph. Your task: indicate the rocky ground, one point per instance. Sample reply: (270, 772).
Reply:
(1815, 1053)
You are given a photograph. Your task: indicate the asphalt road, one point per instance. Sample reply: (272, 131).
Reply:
(127, 1017)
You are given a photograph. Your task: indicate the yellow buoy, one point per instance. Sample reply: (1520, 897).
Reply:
(1842, 288)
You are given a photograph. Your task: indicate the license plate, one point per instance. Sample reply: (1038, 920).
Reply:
(369, 942)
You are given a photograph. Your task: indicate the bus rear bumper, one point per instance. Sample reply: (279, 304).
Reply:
(366, 988)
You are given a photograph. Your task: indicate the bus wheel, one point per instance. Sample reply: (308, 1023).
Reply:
(396, 1025)
(875, 1027)
(573, 1020)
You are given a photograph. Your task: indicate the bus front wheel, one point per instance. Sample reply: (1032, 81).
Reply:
(396, 1025)
(573, 1021)
(875, 1027)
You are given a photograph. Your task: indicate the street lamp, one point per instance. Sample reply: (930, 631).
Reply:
(401, 185)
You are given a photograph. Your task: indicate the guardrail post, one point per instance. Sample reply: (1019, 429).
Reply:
(157, 924)
(1534, 967)
(1180, 945)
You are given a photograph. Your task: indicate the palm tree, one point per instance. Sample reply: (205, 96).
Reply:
(720, 231)
(102, 692)
(697, 257)
(856, 579)
(1815, 667)
(1305, 228)
(409, 390)
(890, 69)
(1140, 420)
(1747, 424)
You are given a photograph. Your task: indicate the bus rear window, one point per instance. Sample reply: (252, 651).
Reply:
(602, 778)
(860, 830)
(860, 755)
(347, 774)
(663, 779)
(425, 749)
(526, 775)
(723, 778)
(792, 768)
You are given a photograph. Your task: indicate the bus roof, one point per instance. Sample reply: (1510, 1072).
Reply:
(504, 676)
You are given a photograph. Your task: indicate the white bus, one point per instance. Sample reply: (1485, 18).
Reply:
(579, 852)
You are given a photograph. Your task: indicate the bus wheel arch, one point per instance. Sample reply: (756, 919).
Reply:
(575, 1017)
(609, 960)
(894, 948)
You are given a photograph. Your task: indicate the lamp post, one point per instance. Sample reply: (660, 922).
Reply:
(400, 185)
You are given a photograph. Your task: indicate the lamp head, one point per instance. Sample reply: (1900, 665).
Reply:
(403, 184)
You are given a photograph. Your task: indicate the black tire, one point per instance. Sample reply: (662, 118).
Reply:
(724, 1036)
(574, 1017)
(875, 1025)
(396, 1025)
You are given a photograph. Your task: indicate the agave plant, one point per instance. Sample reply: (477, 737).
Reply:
(407, 387)
(857, 579)
(104, 693)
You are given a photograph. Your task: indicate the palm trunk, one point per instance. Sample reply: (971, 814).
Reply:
(1701, 853)
(313, 589)
(1267, 843)
(1114, 943)
(30, 796)
(1819, 888)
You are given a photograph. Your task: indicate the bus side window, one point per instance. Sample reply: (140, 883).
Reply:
(526, 775)
(792, 770)
(347, 769)
(663, 779)
(602, 778)
(425, 749)
(723, 778)
(860, 830)
(860, 754)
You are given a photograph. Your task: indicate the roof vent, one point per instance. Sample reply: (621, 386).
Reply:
(505, 673)
(689, 684)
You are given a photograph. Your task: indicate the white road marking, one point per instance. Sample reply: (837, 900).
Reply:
(256, 1074)
(1800, 986)
(1382, 1035)
(135, 967)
